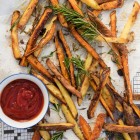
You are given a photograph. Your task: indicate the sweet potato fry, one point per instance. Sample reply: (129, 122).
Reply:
(98, 126)
(36, 135)
(65, 83)
(51, 87)
(38, 48)
(61, 18)
(121, 128)
(33, 38)
(85, 83)
(131, 20)
(69, 55)
(27, 14)
(85, 127)
(93, 4)
(136, 97)
(75, 6)
(14, 35)
(70, 119)
(61, 58)
(67, 98)
(125, 135)
(38, 66)
(87, 46)
(56, 126)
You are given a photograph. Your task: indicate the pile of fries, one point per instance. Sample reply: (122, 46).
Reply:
(61, 83)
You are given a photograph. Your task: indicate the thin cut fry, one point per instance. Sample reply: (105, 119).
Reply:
(85, 127)
(98, 126)
(56, 126)
(131, 20)
(61, 18)
(136, 97)
(70, 119)
(33, 38)
(125, 135)
(67, 98)
(96, 13)
(121, 128)
(14, 35)
(65, 83)
(36, 135)
(51, 87)
(27, 14)
(75, 6)
(61, 58)
(118, 106)
(69, 55)
(136, 109)
(38, 66)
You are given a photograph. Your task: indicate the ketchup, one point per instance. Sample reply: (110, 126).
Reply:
(22, 100)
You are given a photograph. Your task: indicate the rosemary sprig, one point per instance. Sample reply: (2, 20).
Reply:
(88, 29)
(50, 55)
(15, 23)
(57, 135)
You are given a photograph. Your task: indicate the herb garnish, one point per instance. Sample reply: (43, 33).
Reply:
(57, 135)
(15, 23)
(50, 55)
(57, 108)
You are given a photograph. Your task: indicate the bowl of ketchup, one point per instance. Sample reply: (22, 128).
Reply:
(23, 100)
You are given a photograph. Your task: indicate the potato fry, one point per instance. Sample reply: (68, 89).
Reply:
(68, 52)
(27, 14)
(118, 106)
(85, 127)
(61, 18)
(61, 58)
(87, 46)
(93, 4)
(38, 48)
(67, 98)
(121, 128)
(125, 135)
(56, 126)
(85, 83)
(51, 87)
(33, 38)
(36, 135)
(136, 109)
(96, 13)
(53, 100)
(131, 20)
(103, 1)
(38, 66)
(70, 119)
(14, 35)
(65, 83)
(136, 97)
(98, 126)
(75, 6)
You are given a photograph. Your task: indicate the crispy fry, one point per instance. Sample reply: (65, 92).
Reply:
(85, 127)
(27, 14)
(53, 100)
(98, 126)
(103, 1)
(97, 95)
(85, 83)
(65, 83)
(61, 58)
(136, 97)
(75, 6)
(96, 13)
(33, 38)
(87, 46)
(70, 119)
(68, 52)
(93, 4)
(36, 135)
(67, 98)
(121, 128)
(61, 18)
(136, 109)
(125, 135)
(38, 66)
(14, 35)
(56, 126)
(38, 48)
(131, 20)
(44, 134)
(118, 106)
(113, 20)
(51, 87)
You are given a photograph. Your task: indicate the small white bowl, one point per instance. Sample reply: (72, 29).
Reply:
(24, 124)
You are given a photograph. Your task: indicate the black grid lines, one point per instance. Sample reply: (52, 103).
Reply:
(136, 83)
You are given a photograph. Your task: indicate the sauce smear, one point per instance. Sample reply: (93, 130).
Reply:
(22, 100)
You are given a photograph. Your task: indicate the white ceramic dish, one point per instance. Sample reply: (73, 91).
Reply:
(31, 122)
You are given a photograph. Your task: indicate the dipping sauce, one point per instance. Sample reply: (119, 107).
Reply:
(22, 100)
